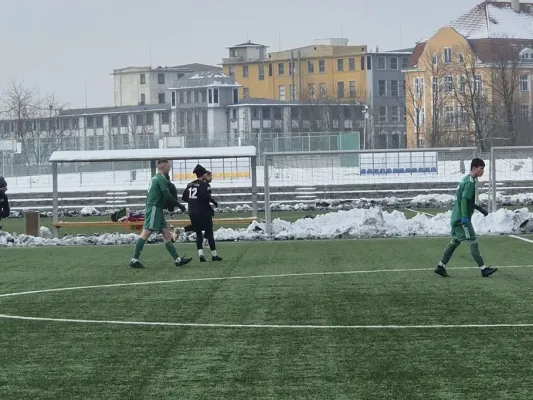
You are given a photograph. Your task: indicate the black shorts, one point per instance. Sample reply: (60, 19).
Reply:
(201, 222)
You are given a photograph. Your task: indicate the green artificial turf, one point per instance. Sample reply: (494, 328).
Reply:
(62, 360)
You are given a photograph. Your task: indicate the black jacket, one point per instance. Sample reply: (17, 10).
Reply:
(4, 206)
(197, 194)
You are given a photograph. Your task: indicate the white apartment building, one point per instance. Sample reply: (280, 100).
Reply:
(146, 85)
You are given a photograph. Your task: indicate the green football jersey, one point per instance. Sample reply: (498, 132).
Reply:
(465, 190)
(156, 190)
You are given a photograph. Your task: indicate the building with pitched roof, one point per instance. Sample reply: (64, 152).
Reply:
(469, 83)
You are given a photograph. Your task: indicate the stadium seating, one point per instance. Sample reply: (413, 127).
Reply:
(396, 171)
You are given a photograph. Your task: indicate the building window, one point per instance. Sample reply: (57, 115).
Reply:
(114, 121)
(234, 115)
(447, 55)
(311, 67)
(381, 63)
(448, 115)
(210, 96)
(524, 110)
(292, 92)
(368, 63)
(124, 120)
(281, 69)
(161, 98)
(270, 68)
(165, 117)
(266, 113)
(322, 89)
(235, 96)
(139, 120)
(435, 85)
(524, 83)
(150, 119)
(245, 71)
(461, 84)
(340, 64)
(261, 72)
(255, 113)
(321, 66)
(143, 79)
(395, 114)
(421, 116)
(351, 64)
(311, 89)
(382, 114)
(99, 121)
(231, 72)
(196, 96)
(405, 62)
(461, 58)
(478, 83)
(90, 122)
(181, 97)
(215, 96)
(382, 88)
(245, 93)
(291, 68)
(282, 92)
(189, 97)
(394, 63)
(340, 90)
(434, 59)
(448, 84)
(352, 89)
(394, 89)
(173, 99)
(143, 98)
(277, 113)
(161, 78)
(419, 87)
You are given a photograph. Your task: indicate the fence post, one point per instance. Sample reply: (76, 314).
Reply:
(494, 207)
(267, 196)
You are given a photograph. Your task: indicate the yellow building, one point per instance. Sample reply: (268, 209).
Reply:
(470, 82)
(329, 68)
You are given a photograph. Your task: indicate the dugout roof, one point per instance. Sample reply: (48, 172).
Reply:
(153, 154)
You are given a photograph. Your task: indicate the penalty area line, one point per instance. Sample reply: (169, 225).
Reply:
(268, 326)
(229, 278)
(521, 238)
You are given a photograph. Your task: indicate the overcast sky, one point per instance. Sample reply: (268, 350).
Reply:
(59, 45)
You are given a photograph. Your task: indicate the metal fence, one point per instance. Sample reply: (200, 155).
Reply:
(511, 167)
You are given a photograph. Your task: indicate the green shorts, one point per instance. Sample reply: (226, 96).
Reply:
(154, 219)
(462, 232)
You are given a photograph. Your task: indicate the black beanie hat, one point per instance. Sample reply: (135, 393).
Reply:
(199, 170)
(3, 183)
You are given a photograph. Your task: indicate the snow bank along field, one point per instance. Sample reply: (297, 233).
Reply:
(282, 316)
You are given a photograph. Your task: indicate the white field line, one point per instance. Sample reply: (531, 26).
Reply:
(256, 326)
(420, 212)
(521, 238)
(228, 278)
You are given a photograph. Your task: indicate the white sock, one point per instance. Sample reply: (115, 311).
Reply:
(134, 260)
(214, 253)
(483, 267)
(178, 259)
(200, 253)
(441, 264)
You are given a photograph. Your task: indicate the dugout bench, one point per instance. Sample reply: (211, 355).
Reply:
(138, 225)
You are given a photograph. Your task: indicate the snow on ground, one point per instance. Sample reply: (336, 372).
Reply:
(352, 224)
(448, 171)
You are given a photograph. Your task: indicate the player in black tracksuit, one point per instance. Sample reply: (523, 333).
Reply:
(208, 179)
(198, 195)
(4, 201)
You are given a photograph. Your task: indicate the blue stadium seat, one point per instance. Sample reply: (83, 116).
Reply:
(363, 171)
(395, 171)
(420, 169)
(410, 170)
(402, 170)
(427, 170)
(382, 171)
(389, 171)
(375, 171)
(434, 170)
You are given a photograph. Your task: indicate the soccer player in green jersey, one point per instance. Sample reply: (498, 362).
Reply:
(461, 220)
(158, 198)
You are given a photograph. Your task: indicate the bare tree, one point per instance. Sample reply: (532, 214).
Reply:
(474, 106)
(411, 102)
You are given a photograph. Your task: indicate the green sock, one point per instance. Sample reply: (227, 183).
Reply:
(448, 252)
(172, 250)
(476, 255)
(139, 248)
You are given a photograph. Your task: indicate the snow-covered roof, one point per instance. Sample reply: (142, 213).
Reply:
(495, 19)
(205, 79)
(153, 154)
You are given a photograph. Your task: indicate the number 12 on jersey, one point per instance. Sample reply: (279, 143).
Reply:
(192, 192)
